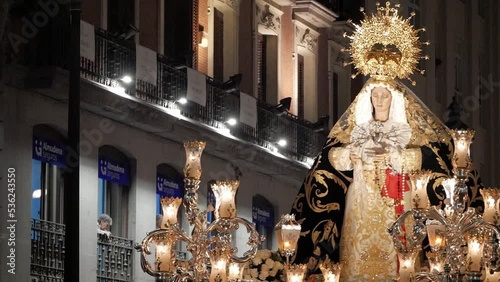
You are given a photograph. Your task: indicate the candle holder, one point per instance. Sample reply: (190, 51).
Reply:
(418, 184)
(461, 156)
(436, 261)
(475, 245)
(218, 260)
(288, 233)
(451, 229)
(225, 192)
(331, 271)
(491, 199)
(170, 207)
(436, 233)
(295, 272)
(206, 242)
(406, 259)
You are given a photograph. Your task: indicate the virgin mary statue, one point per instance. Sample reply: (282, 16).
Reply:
(357, 186)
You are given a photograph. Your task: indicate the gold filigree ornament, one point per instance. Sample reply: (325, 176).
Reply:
(385, 46)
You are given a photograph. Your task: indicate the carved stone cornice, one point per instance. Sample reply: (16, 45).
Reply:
(336, 33)
(268, 18)
(306, 37)
(337, 57)
(312, 13)
(284, 2)
(233, 4)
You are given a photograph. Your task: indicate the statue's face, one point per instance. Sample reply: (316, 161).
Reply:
(381, 99)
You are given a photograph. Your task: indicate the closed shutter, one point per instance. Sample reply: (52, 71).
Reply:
(301, 90)
(261, 67)
(120, 15)
(218, 45)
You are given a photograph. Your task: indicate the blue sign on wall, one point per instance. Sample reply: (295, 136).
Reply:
(49, 151)
(113, 171)
(166, 187)
(263, 215)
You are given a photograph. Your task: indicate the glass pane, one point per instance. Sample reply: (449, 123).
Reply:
(36, 186)
(102, 197)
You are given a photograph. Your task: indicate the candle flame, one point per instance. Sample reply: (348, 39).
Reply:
(332, 277)
(234, 270)
(220, 264)
(439, 241)
(407, 263)
(296, 278)
(475, 246)
(171, 210)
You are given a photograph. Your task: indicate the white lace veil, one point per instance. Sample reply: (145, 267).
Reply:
(406, 107)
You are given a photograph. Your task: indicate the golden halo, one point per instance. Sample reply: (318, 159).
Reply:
(386, 46)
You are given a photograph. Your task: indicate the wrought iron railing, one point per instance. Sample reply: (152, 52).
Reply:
(114, 259)
(47, 250)
(115, 57)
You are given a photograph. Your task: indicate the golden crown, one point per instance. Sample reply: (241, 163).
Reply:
(386, 46)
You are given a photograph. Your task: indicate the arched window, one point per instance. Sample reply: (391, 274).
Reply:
(263, 217)
(114, 186)
(48, 168)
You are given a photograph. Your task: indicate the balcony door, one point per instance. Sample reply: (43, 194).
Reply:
(179, 31)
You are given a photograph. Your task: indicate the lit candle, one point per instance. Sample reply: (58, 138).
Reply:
(436, 261)
(295, 272)
(331, 271)
(287, 232)
(290, 235)
(491, 198)
(462, 140)
(407, 265)
(219, 260)
(170, 207)
(418, 182)
(436, 231)
(164, 256)
(235, 271)
(475, 252)
(194, 149)
(225, 192)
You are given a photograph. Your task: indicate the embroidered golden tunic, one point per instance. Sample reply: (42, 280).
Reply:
(366, 249)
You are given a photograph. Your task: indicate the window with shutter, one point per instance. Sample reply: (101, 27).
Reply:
(301, 90)
(178, 28)
(218, 45)
(261, 67)
(120, 15)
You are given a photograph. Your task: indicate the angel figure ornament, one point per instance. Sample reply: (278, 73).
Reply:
(359, 180)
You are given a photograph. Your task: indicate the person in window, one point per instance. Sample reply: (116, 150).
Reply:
(104, 222)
